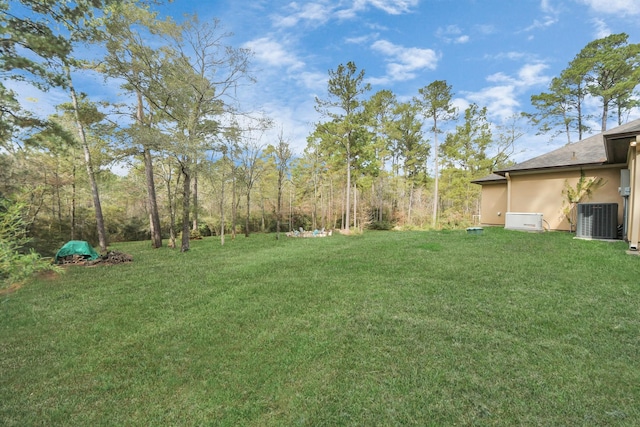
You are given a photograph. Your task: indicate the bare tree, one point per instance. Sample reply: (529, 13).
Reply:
(202, 76)
(251, 165)
(281, 154)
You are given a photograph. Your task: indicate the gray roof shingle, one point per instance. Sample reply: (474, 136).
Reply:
(589, 151)
(494, 178)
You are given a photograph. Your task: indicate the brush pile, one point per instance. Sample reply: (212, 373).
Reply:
(72, 260)
(110, 258)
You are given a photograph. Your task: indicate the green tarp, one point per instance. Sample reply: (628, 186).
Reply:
(77, 247)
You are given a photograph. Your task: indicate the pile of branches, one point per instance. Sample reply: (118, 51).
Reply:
(72, 260)
(111, 258)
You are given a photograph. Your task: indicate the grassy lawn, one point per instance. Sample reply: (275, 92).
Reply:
(382, 329)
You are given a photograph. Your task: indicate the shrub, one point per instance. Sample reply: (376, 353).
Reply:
(380, 225)
(15, 265)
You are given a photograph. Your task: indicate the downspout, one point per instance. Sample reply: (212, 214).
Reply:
(633, 223)
(508, 176)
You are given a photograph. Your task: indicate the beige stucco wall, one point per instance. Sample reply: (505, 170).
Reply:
(493, 204)
(542, 193)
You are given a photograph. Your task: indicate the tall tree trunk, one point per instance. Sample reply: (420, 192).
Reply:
(73, 202)
(410, 203)
(172, 213)
(222, 188)
(195, 200)
(323, 209)
(434, 219)
(102, 235)
(348, 200)
(279, 207)
(342, 198)
(186, 205)
(314, 211)
(234, 208)
(332, 202)
(246, 221)
(605, 114)
(579, 112)
(290, 209)
(154, 215)
(355, 206)
(263, 226)
(57, 204)
(619, 113)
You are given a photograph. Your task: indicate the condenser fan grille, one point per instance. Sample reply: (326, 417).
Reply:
(597, 220)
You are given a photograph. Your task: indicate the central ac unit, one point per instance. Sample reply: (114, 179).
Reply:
(597, 220)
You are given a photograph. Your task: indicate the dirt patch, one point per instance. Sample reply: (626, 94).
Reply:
(45, 275)
(48, 275)
(11, 289)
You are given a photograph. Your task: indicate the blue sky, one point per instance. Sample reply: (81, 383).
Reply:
(496, 53)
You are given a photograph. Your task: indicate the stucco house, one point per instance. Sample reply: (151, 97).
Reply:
(536, 186)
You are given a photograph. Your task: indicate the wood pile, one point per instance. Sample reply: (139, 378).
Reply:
(111, 258)
(72, 260)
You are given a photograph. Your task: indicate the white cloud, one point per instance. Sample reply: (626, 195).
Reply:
(501, 99)
(273, 53)
(501, 78)
(511, 56)
(547, 21)
(452, 34)
(546, 7)
(404, 62)
(550, 17)
(601, 28)
(485, 29)
(313, 13)
(392, 7)
(460, 104)
(617, 7)
(361, 39)
(313, 81)
(449, 30)
(320, 12)
(42, 104)
(531, 75)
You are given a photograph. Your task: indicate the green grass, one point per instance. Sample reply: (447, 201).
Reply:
(382, 329)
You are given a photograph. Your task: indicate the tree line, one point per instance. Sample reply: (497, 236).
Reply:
(198, 162)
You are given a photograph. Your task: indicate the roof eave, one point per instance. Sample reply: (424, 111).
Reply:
(553, 168)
